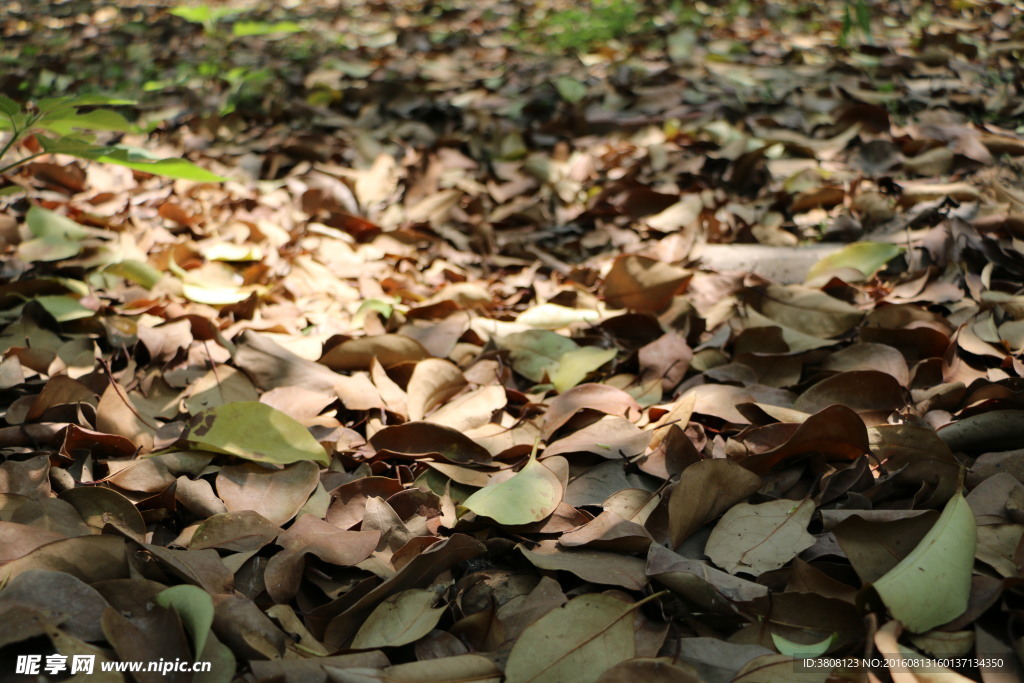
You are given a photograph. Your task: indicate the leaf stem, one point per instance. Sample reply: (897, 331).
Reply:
(19, 162)
(15, 134)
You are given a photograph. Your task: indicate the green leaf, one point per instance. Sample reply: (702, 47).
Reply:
(253, 431)
(101, 100)
(940, 565)
(100, 119)
(571, 90)
(204, 14)
(168, 168)
(403, 618)
(846, 27)
(8, 107)
(197, 15)
(535, 352)
(576, 642)
(195, 607)
(49, 105)
(69, 145)
(866, 257)
(138, 160)
(136, 271)
(44, 223)
(64, 308)
(528, 496)
(574, 366)
(261, 28)
(864, 19)
(801, 651)
(384, 308)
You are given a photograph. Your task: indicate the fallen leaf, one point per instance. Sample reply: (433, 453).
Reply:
(865, 257)
(252, 431)
(579, 641)
(940, 564)
(195, 607)
(277, 495)
(642, 284)
(706, 490)
(758, 538)
(402, 618)
(530, 495)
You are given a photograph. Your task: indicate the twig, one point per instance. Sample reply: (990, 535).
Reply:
(19, 162)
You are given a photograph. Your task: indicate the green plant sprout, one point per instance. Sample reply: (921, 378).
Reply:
(240, 80)
(60, 127)
(856, 12)
(581, 29)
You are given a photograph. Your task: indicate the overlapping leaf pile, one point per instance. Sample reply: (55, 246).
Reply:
(438, 386)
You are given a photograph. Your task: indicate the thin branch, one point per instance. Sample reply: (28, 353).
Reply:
(15, 134)
(19, 162)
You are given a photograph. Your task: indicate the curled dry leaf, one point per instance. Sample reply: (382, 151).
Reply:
(424, 439)
(706, 490)
(642, 284)
(387, 349)
(277, 495)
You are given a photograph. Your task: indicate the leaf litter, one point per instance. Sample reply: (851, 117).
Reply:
(676, 348)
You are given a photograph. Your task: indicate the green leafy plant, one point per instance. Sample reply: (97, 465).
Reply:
(60, 126)
(212, 17)
(223, 27)
(581, 29)
(857, 12)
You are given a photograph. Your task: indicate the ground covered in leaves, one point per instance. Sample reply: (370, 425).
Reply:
(452, 378)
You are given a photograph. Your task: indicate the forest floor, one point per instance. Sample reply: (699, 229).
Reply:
(519, 341)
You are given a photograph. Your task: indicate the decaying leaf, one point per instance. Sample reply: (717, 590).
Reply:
(707, 489)
(757, 538)
(609, 342)
(583, 639)
(642, 284)
(402, 618)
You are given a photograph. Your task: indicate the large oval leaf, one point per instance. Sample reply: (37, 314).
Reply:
(940, 565)
(528, 496)
(759, 538)
(403, 618)
(577, 642)
(253, 431)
